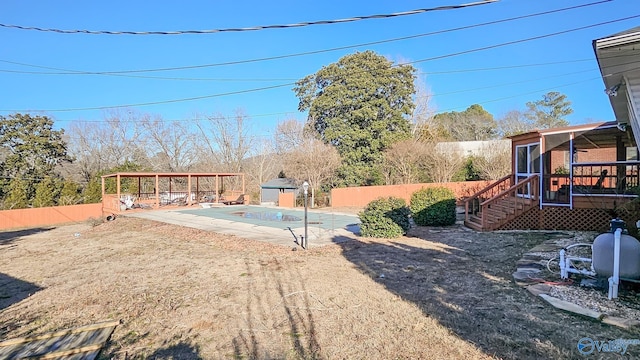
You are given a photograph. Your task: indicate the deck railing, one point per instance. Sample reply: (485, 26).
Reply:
(611, 178)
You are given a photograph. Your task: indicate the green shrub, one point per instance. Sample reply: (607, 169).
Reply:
(433, 207)
(385, 218)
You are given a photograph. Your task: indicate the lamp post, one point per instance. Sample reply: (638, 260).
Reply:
(305, 187)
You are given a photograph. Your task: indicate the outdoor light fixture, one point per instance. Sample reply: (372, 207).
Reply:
(613, 91)
(305, 241)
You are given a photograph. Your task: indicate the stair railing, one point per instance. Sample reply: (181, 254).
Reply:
(520, 197)
(472, 203)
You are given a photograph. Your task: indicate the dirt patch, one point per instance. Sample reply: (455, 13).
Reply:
(184, 293)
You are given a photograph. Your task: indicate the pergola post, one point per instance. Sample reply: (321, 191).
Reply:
(118, 190)
(157, 189)
(189, 190)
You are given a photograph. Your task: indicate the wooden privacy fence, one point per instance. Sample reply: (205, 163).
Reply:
(362, 195)
(286, 200)
(47, 216)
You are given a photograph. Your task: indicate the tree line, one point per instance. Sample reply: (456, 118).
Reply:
(369, 122)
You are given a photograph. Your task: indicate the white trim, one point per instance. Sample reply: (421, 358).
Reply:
(606, 195)
(620, 40)
(541, 174)
(571, 156)
(555, 204)
(612, 163)
(577, 129)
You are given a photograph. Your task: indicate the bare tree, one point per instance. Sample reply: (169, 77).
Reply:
(170, 144)
(444, 162)
(404, 161)
(494, 161)
(97, 146)
(313, 161)
(514, 122)
(227, 139)
(262, 166)
(424, 110)
(289, 136)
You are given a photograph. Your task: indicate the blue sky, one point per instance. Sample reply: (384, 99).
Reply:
(501, 79)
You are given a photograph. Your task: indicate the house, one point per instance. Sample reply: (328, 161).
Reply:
(577, 177)
(269, 191)
(619, 61)
(474, 148)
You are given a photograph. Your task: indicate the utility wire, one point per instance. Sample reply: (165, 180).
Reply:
(253, 28)
(433, 95)
(509, 84)
(161, 101)
(237, 62)
(522, 40)
(291, 84)
(526, 93)
(444, 72)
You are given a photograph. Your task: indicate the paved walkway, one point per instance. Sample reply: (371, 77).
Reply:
(262, 223)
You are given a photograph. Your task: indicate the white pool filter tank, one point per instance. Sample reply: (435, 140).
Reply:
(603, 254)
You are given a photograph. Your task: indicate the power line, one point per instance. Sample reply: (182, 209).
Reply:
(527, 93)
(522, 40)
(150, 77)
(158, 102)
(509, 84)
(253, 28)
(237, 62)
(296, 111)
(295, 79)
(290, 84)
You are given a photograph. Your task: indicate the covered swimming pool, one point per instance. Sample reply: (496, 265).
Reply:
(276, 217)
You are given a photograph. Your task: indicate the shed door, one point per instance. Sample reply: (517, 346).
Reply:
(527, 164)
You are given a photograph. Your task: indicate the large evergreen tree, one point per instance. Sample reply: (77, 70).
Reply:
(47, 192)
(550, 112)
(475, 123)
(16, 195)
(31, 149)
(360, 105)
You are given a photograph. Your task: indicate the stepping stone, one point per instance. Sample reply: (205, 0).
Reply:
(525, 277)
(621, 322)
(538, 289)
(531, 264)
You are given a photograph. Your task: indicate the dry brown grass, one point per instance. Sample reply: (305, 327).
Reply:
(188, 294)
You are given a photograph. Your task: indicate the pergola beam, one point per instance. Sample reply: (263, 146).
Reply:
(189, 176)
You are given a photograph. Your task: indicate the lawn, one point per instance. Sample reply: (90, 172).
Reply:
(438, 293)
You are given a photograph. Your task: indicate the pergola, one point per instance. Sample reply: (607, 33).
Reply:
(112, 201)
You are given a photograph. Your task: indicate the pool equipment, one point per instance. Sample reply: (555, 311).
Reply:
(614, 255)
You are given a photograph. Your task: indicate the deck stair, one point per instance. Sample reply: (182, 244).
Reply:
(496, 205)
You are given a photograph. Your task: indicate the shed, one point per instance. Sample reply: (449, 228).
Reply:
(269, 191)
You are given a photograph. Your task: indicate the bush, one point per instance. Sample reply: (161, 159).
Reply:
(433, 207)
(385, 218)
